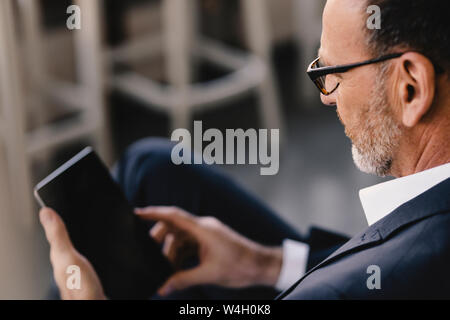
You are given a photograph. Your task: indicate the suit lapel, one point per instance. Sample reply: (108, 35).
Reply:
(434, 201)
(364, 239)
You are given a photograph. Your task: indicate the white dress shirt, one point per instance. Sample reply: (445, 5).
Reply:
(377, 201)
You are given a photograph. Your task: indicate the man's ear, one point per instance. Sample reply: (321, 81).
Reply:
(416, 85)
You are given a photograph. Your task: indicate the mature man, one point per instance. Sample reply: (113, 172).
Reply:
(391, 90)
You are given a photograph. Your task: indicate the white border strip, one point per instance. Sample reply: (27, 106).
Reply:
(83, 153)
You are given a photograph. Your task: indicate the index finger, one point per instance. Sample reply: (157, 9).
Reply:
(171, 215)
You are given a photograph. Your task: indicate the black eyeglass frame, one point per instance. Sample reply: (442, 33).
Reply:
(315, 73)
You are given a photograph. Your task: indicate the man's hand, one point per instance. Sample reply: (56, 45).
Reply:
(63, 254)
(225, 257)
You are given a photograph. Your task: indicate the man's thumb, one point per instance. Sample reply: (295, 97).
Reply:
(55, 230)
(182, 280)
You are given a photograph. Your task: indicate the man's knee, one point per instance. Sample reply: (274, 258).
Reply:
(150, 148)
(149, 152)
(144, 156)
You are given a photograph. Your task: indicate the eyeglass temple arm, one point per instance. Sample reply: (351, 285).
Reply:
(315, 73)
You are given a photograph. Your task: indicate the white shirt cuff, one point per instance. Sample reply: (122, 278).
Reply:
(295, 259)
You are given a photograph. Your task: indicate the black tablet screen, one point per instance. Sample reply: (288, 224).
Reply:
(103, 227)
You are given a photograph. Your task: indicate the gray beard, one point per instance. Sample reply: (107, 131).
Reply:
(374, 150)
(371, 163)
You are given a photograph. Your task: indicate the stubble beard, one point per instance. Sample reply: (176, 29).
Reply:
(376, 139)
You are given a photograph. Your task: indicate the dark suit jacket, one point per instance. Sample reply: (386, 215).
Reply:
(411, 246)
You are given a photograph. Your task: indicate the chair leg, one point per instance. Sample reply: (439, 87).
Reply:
(14, 128)
(179, 29)
(91, 73)
(35, 63)
(307, 33)
(258, 39)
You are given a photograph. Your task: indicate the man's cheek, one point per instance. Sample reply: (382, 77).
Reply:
(342, 114)
(339, 116)
(350, 123)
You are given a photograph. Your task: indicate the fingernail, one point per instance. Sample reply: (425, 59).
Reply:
(45, 215)
(165, 290)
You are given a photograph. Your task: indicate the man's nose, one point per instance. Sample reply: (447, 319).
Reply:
(328, 100)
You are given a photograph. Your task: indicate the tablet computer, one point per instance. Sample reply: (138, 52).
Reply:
(103, 227)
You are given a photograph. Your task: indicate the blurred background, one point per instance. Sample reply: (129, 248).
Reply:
(141, 68)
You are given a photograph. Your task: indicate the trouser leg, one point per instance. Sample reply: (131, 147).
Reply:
(148, 177)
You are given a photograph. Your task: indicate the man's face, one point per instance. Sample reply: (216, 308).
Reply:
(362, 98)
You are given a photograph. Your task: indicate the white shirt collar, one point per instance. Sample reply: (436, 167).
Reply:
(381, 199)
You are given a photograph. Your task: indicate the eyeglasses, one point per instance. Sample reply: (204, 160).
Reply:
(327, 85)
